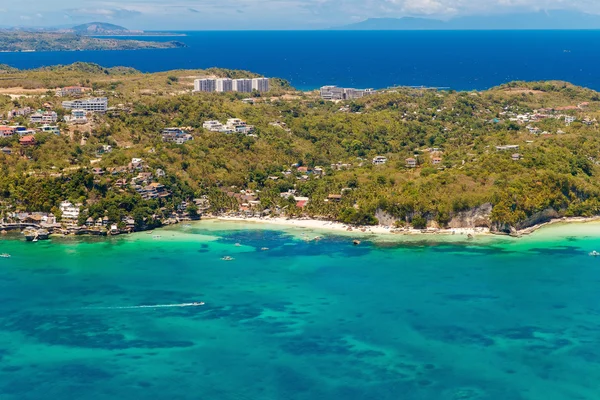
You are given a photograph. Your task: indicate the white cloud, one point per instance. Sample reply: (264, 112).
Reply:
(269, 14)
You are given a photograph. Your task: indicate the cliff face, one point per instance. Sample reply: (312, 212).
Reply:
(474, 218)
(480, 217)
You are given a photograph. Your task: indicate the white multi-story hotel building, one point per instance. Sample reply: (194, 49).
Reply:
(338, 93)
(242, 85)
(205, 85)
(224, 85)
(260, 84)
(99, 104)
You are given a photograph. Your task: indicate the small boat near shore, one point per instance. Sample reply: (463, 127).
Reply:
(356, 242)
(264, 249)
(227, 258)
(594, 254)
(5, 255)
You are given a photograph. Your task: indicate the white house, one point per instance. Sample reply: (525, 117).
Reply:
(379, 160)
(68, 210)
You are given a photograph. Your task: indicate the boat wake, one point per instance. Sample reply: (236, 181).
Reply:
(144, 306)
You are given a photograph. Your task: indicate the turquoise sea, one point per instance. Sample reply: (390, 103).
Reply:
(417, 318)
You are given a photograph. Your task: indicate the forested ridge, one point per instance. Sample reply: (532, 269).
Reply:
(453, 136)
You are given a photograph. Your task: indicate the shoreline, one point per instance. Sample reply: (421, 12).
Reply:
(339, 227)
(358, 230)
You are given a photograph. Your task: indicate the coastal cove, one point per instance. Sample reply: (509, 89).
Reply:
(419, 317)
(434, 58)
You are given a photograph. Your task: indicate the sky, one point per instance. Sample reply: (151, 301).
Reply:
(258, 14)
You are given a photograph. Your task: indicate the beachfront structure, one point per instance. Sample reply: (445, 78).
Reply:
(205, 85)
(47, 117)
(96, 105)
(260, 84)
(331, 92)
(68, 210)
(224, 85)
(70, 91)
(242, 85)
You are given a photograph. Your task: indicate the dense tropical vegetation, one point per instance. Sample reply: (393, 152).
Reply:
(556, 170)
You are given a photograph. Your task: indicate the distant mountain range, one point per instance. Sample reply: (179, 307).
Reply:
(100, 28)
(556, 19)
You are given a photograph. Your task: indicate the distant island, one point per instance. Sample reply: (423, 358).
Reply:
(23, 41)
(554, 19)
(106, 29)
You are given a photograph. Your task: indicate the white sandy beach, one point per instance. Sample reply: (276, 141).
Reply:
(366, 230)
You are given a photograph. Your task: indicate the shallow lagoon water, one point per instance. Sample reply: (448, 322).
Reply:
(410, 318)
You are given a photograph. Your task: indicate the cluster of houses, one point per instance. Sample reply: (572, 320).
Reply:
(233, 125)
(548, 113)
(176, 135)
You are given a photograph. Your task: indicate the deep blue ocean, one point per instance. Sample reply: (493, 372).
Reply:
(461, 60)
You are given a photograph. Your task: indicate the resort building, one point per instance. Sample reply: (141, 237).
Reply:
(260, 84)
(48, 117)
(436, 160)
(176, 135)
(205, 85)
(50, 129)
(233, 125)
(97, 105)
(379, 160)
(516, 157)
(213, 126)
(337, 93)
(70, 91)
(77, 117)
(68, 210)
(224, 85)
(242, 85)
(411, 162)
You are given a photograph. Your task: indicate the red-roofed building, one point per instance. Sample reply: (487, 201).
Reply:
(6, 131)
(301, 203)
(303, 169)
(27, 141)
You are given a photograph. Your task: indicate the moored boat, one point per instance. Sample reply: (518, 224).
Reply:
(5, 255)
